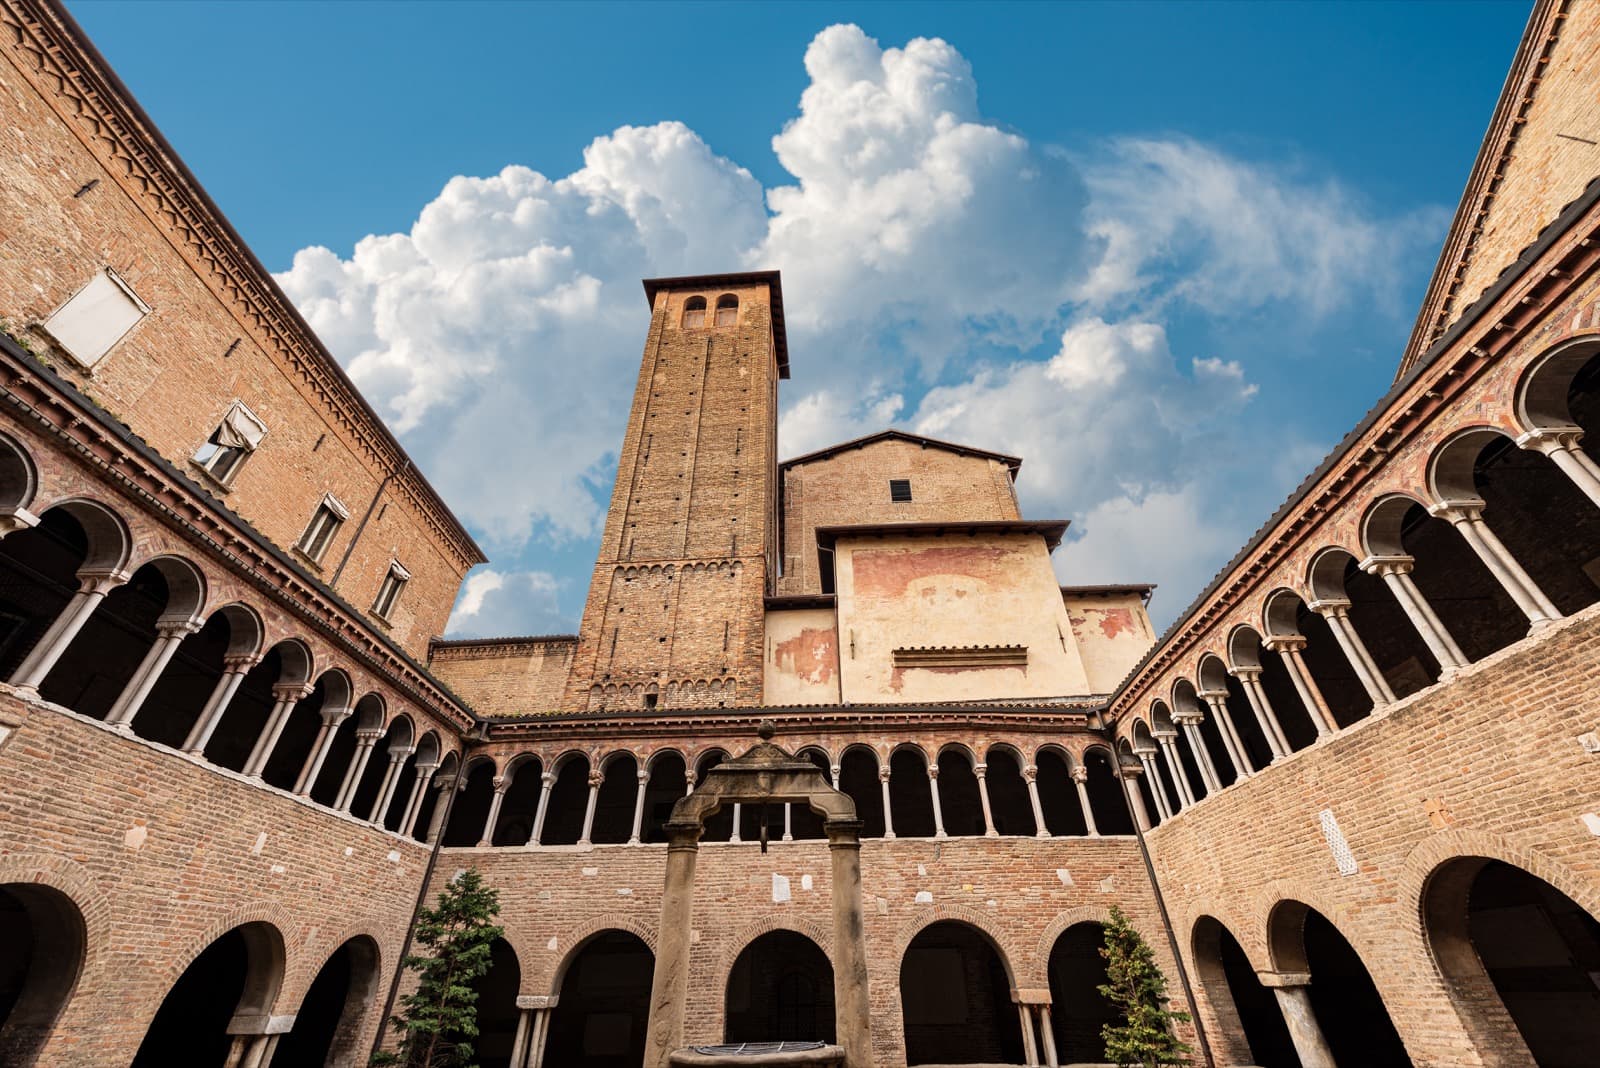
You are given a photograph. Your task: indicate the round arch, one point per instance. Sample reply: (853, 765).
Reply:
(780, 989)
(45, 940)
(605, 978)
(19, 477)
(955, 1002)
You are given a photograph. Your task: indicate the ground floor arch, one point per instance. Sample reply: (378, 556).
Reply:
(780, 989)
(42, 946)
(1078, 1011)
(327, 1026)
(604, 1004)
(955, 999)
(1246, 1011)
(497, 1007)
(1348, 1010)
(1518, 955)
(236, 975)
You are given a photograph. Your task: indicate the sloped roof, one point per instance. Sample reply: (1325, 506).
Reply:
(1011, 462)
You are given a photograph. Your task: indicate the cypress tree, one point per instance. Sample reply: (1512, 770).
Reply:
(1135, 985)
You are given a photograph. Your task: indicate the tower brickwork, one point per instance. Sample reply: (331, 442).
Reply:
(674, 615)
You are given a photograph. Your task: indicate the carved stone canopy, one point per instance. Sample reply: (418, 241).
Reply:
(764, 774)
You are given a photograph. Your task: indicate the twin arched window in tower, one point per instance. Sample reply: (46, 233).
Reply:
(694, 312)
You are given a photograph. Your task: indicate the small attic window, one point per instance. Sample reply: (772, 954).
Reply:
(727, 310)
(900, 490)
(694, 313)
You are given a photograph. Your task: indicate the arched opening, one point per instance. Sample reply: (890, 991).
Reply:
(718, 825)
(1214, 679)
(1350, 1012)
(42, 947)
(1247, 652)
(339, 764)
(569, 801)
(1008, 793)
(804, 824)
(1058, 796)
(327, 1027)
(604, 1005)
(1286, 616)
(955, 999)
(1160, 785)
(388, 751)
(619, 791)
(1077, 1008)
(1143, 791)
(471, 808)
(780, 989)
(293, 749)
(1251, 1022)
(959, 803)
(237, 975)
(514, 827)
(910, 802)
(497, 1007)
(668, 782)
(1390, 638)
(430, 807)
(405, 778)
(1186, 702)
(38, 576)
(288, 663)
(858, 777)
(182, 690)
(1175, 745)
(96, 667)
(1106, 798)
(19, 481)
(1517, 951)
(694, 313)
(1472, 605)
(727, 310)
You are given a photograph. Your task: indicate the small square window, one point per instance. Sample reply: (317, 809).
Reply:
(900, 490)
(96, 318)
(389, 590)
(325, 523)
(231, 444)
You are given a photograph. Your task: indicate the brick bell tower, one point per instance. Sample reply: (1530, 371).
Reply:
(674, 616)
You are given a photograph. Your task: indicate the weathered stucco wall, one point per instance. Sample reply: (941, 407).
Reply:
(802, 657)
(1112, 632)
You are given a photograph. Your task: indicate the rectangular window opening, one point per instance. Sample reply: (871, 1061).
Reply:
(900, 490)
(389, 590)
(96, 318)
(325, 523)
(231, 444)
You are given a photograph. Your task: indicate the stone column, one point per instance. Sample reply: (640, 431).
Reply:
(450, 783)
(1030, 1045)
(419, 790)
(234, 669)
(788, 823)
(1048, 1033)
(391, 780)
(1288, 646)
(933, 792)
(366, 739)
(1167, 739)
(92, 589)
(1189, 724)
(502, 783)
(1080, 779)
(169, 635)
(1293, 991)
(595, 779)
(1467, 518)
(1163, 804)
(1030, 775)
(1131, 787)
(833, 776)
(286, 696)
(738, 822)
(888, 809)
(15, 520)
(1250, 682)
(852, 1009)
(1396, 574)
(519, 1044)
(547, 781)
(669, 990)
(1561, 445)
(638, 807)
(1217, 702)
(1337, 613)
(331, 718)
(981, 771)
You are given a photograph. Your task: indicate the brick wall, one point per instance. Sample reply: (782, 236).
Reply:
(505, 677)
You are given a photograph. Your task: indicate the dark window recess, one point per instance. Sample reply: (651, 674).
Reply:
(899, 490)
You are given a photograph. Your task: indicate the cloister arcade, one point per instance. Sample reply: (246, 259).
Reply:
(1044, 790)
(1493, 533)
(102, 617)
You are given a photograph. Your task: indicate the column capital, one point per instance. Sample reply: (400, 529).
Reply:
(17, 519)
(398, 756)
(1464, 510)
(980, 770)
(169, 628)
(368, 735)
(1384, 566)
(296, 691)
(1284, 979)
(1335, 607)
(843, 834)
(643, 775)
(883, 773)
(501, 783)
(1190, 717)
(1130, 769)
(1213, 697)
(240, 663)
(933, 772)
(1028, 996)
(1549, 439)
(548, 778)
(1030, 773)
(1163, 735)
(1080, 774)
(597, 779)
(1284, 643)
(336, 715)
(101, 581)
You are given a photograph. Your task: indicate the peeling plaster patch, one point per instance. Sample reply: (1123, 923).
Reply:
(780, 888)
(261, 843)
(1065, 876)
(1592, 821)
(278, 869)
(924, 897)
(1108, 885)
(809, 656)
(552, 944)
(394, 856)
(624, 890)
(134, 837)
(805, 882)
(589, 873)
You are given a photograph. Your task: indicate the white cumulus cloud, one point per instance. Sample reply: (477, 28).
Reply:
(499, 602)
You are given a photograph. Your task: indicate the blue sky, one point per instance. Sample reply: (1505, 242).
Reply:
(1168, 253)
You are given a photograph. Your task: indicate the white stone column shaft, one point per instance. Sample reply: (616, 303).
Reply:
(168, 637)
(1157, 790)
(938, 810)
(216, 706)
(287, 697)
(1560, 444)
(1337, 613)
(366, 741)
(391, 781)
(92, 589)
(638, 807)
(1080, 779)
(982, 773)
(1030, 1046)
(1218, 704)
(1468, 520)
(546, 782)
(595, 779)
(1266, 718)
(1396, 574)
(501, 783)
(1030, 775)
(419, 790)
(1048, 1034)
(1202, 755)
(888, 809)
(331, 718)
(1180, 779)
(1288, 648)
